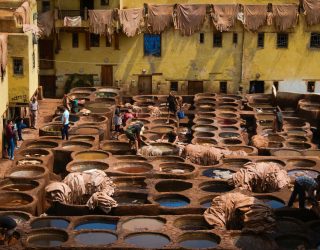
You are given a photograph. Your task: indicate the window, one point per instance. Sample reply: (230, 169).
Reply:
(201, 37)
(282, 40)
(217, 39)
(223, 87)
(276, 85)
(311, 86)
(75, 40)
(45, 6)
(104, 2)
(260, 41)
(18, 66)
(173, 86)
(235, 38)
(315, 40)
(108, 41)
(152, 45)
(94, 40)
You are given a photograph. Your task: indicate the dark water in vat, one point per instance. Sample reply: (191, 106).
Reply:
(273, 203)
(95, 238)
(47, 240)
(148, 240)
(57, 223)
(172, 202)
(97, 225)
(198, 243)
(216, 187)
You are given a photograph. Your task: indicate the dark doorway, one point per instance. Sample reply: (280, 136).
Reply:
(145, 85)
(195, 87)
(89, 4)
(46, 54)
(106, 75)
(48, 84)
(256, 87)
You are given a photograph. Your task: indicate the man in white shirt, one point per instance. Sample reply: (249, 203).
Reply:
(34, 111)
(65, 124)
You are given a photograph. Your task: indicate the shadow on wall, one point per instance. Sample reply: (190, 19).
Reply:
(78, 80)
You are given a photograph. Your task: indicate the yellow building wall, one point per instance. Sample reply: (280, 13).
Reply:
(4, 100)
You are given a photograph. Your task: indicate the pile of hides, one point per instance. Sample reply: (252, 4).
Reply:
(312, 11)
(131, 21)
(234, 211)
(255, 16)
(22, 13)
(101, 22)
(150, 151)
(189, 18)
(159, 18)
(224, 16)
(154, 111)
(285, 16)
(208, 155)
(260, 141)
(78, 186)
(3, 52)
(69, 21)
(46, 23)
(261, 177)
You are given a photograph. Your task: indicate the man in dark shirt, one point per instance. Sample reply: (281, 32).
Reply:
(172, 136)
(303, 185)
(172, 104)
(133, 134)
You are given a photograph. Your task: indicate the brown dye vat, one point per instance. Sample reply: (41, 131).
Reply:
(130, 158)
(294, 122)
(46, 238)
(204, 141)
(166, 148)
(235, 162)
(135, 120)
(204, 128)
(203, 121)
(50, 130)
(143, 115)
(161, 129)
(292, 241)
(144, 104)
(117, 148)
(97, 110)
(229, 135)
(267, 117)
(34, 153)
(130, 183)
(170, 122)
(227, 105)
(172, 186)
(19, 216)
(231, 141)
(106, 94)
(272, 144)
(144, 224)
(94, 118)
(267, 161)
(276, 138)
(205, 115)
(86, 165)
(152, 136)
(76, 145)
(176, 168)
(130, 198)
(86, 130)
(229, 128)
(197, 240)
(301, 163)
(265, 123)
(28, 172)
(194, 223)
(124, 138)
(296, 131)
(204, 100)
(226, 109)
(286, 152)
(205, 106)
(298, 145)
(106, 100)
(227, 115)
(204, 95)
(18, 185)
(215, 186)
(89, 155)
(311, 152)
(203, 134)
(226, 99)
(131, 167)
(168, 158)
(42, 144)
(227, 121)
(29, 161)
(247, 149)
(297, 138)
(82, 89)
(82, 138)
(17, 201)
(145, 98)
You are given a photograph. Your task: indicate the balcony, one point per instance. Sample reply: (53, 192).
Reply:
(61, 14)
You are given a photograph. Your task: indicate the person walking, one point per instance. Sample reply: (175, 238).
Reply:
(303, 185)
(65, 124)
(34, 111)
(10, 135)
(20, 126)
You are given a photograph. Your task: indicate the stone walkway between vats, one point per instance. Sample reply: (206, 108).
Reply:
(46, 108)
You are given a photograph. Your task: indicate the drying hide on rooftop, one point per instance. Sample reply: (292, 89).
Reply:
(236, 211)
(223, 16)
(3, 52)
(101, 22)
(285, 16)
(159, 17)
(131, 21)
(22, 13)
(189, 18)
(255, 16)
(46, 23)
(312, 11)
(72, 21)
(261, 177)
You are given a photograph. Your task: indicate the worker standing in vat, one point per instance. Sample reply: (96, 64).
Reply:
(7, 229)
(303, 185)
(133, 133)
(34, 111)
(278, 121)
(65, 123)
(172, 104)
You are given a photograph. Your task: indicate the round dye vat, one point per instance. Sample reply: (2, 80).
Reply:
(91, 155)
(148, 240)
(275, 162)
(127, 198)
(47, 238)
(18, 185)
(272, 202)
(217, 173)
(138, 224)
(161, 129)
(298, 145)
(227, 115)
(42, 144)
(229, 128)
(27, 172)
(105, 94)
(86, 165)
(132, 167)
(215, 186)
(303, 172)
(204, 141)
(301, 163)
(97, 225)
(34, 153)
(286, 152)
(130, 158)
(166, 148)
(29, 161)
(292, 241)
(236, 162)
(19, 217)
(76, 145)
(204, 128)
(198, 240)
(227, 121)
(168, 158)
(47, 222)
(95, 238)
(176, 168)
(172, 186)
(229, 135)
(129, 184)
(173, 201)
(192, 223)
(83, 138)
